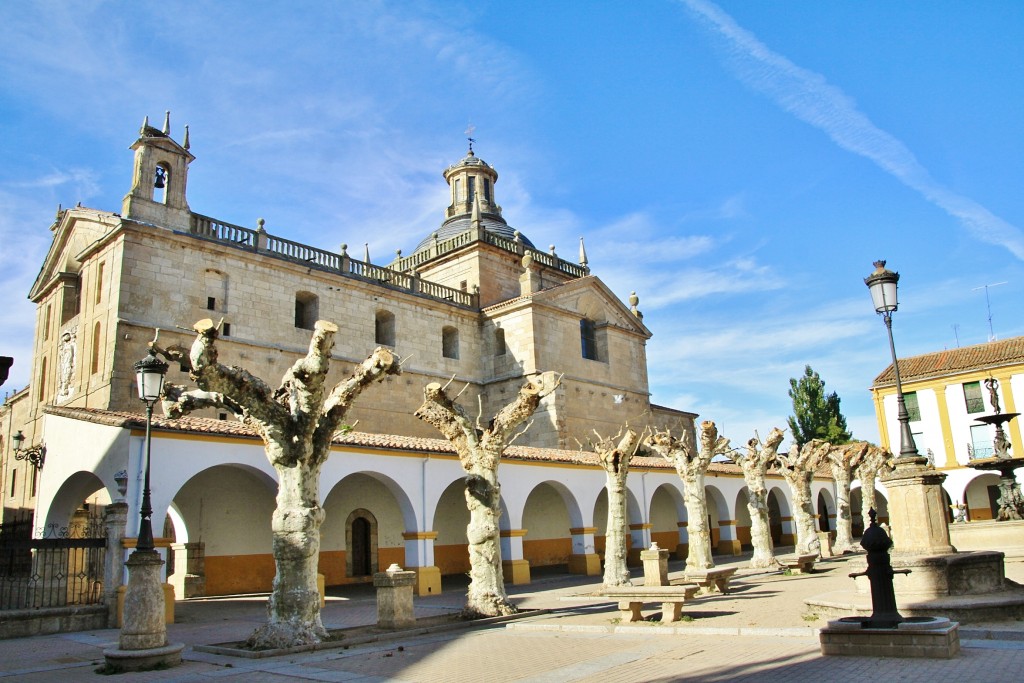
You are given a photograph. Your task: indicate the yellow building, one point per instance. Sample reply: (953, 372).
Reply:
(945, 393)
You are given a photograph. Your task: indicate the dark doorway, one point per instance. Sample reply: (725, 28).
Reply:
(361, 561)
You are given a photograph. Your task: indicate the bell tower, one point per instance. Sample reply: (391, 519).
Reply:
(159, 178)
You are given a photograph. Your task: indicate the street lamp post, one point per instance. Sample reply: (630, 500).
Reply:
(143, 642)
(882, 283)
(149, 375)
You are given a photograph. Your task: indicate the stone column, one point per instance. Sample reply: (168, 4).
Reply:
(177, 578)
(394, 597)
(683, 548)
(640, 538)
(917, 510)
(514, 567)
(584, 559)
(655, 566)
(143, 643)
(115, 519)
(728, 543)
(419, 558)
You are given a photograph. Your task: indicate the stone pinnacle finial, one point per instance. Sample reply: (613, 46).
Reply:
(186, 143)
(167, 122)
(474, 217)
(145, 125)
(366, 252)
(583, 253)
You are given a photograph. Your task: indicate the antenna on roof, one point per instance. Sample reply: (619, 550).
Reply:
(988, 305)
(956, 333)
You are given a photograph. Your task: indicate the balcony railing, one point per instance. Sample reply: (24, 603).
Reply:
(259, 241)
(980, 451)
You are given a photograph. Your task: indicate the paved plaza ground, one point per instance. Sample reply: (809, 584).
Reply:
(760, 632)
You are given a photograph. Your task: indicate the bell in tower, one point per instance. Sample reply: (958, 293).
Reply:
(159, 178)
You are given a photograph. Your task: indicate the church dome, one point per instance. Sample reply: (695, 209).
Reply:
(471, 189)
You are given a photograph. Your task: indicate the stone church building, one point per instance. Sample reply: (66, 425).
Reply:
(475, 302)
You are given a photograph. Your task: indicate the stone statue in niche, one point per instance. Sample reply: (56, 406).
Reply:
(66, 364)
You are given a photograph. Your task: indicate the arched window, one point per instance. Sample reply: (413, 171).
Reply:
(306, 310)
(450, 342)
(99, 282)
(384, 328)
(97, 339)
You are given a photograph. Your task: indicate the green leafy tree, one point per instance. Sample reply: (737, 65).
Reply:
(816, 415)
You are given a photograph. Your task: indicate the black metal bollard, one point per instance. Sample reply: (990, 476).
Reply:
(880, 573)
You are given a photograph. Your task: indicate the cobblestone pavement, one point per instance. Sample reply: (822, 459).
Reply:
(579, 641)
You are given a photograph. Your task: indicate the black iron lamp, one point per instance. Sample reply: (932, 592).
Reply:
(149, 375)
(36, 455)
(882, 283)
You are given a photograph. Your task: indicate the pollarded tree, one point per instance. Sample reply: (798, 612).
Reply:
(843, 460)
(816, 415)
(614, 455)
(755, 463)
(297, 423)
(876, 460)
(692, 465)
(480, 448)
(797, 468)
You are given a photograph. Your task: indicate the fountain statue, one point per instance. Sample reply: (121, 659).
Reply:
(1011, 503)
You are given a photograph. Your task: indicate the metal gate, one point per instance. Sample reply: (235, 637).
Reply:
(62, 566)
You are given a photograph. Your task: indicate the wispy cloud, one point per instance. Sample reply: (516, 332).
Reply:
(808, 96)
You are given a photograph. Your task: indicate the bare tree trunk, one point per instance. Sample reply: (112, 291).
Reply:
(692, 464)
(755, 463)
(486, 593)
(698, 530)
(297, 422)
(480, 450)
(873, 461)
(798, 469)
(614, 458)
(843, 460)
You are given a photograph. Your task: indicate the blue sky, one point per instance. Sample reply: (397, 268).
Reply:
(739, 165)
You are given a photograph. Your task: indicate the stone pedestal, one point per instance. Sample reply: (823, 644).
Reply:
(428, 580)
(934, 638)
(917, 510)
(516, 572)
(394, 597)
(143, 642)
(655, 566)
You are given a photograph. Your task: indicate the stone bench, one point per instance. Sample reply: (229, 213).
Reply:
(799, 564)
(714, 580)
(632, 598)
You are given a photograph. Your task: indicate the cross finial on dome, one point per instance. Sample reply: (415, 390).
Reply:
(469, 136)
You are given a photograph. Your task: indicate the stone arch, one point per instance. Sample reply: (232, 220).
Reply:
(981, 495)
(743, 522)
(71, 495)
(387, 513)
(548, 515)
(718, 510)
(667, 515)
(778, 509)
(214, 504)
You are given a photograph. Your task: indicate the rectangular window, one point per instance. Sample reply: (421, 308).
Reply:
(972, 397)
(99, 282)
(981, 442)
(487, 189)
(46, 323)
(913, 409)
(588, 339)
(14, 481)
(472, 188)
(211, 303)
(499, 342)
(226, 330)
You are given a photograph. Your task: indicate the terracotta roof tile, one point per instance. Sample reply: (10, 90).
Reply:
(394, 442)
(952, 361)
